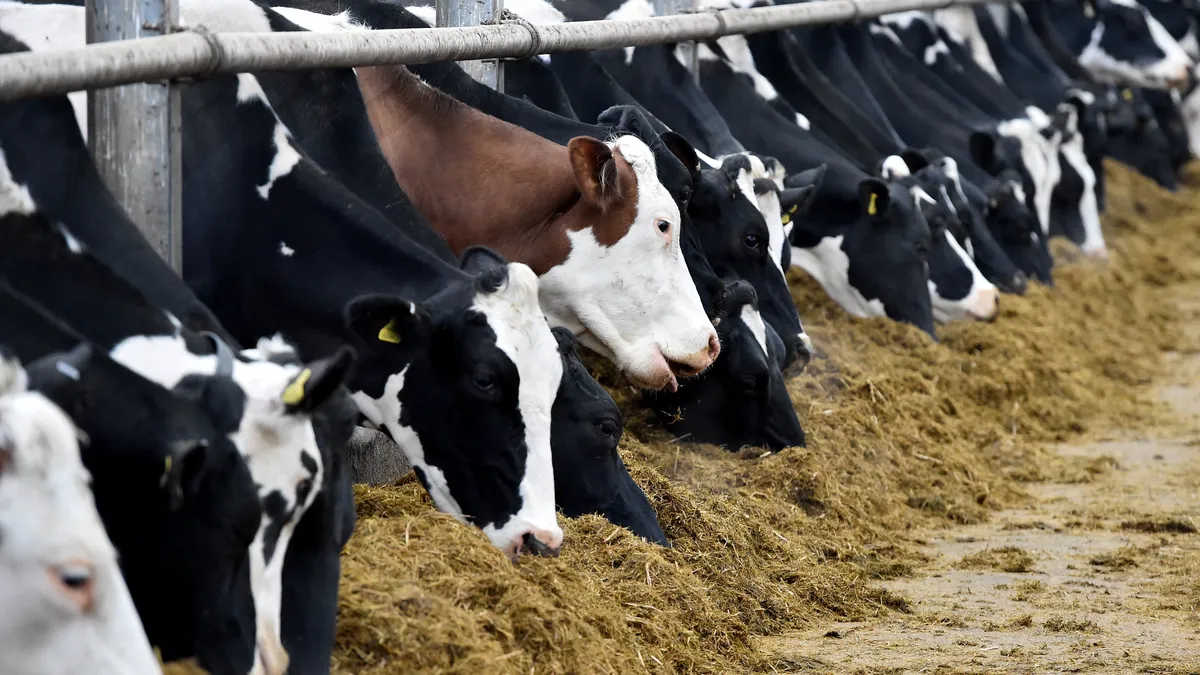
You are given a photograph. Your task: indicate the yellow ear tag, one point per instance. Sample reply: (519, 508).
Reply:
(786, 218)
(1127, 95)
(166, 472)
(388, 333)
(871, 210)
(295, 391)
(793, 209)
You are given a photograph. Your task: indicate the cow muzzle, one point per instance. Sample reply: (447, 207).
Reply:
(985, 305)
(536, 542)
(1180, 79)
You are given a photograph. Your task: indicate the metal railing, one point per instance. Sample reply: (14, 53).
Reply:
(135, 130)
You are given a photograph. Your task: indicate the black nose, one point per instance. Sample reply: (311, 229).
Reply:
(1018, 285)
(531, 544)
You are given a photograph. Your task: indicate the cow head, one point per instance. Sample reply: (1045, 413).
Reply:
(1138, 141)
(958, 289)
(623, 287)
(67, 609)
(742, 400)
(1129, 46)
(464, 383)
(1015, 227)
(589, 476)
(938, 175)
(737, 242)
(875, 262)
(996, 153)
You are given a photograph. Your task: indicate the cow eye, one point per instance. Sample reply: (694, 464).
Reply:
(484, 380)
(609, 428)
(663, 226)
(75, 576)
(304, 487)
(751, 240)
(922, 249)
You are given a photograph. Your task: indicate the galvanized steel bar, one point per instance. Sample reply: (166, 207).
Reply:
(489, 71)
(195, 53)
(668, 7)
(133, 131)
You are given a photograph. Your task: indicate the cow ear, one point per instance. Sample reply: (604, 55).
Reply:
(875, 196)
(317, 382)
(386, 322)
(478, 260)
(794, 202)
(983, 149)
(182, 469)
(915, 159)
(682, 149)
(596, 171)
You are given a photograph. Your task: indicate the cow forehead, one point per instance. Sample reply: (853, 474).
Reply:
(40, 436)
(521, 330)
(651, 193)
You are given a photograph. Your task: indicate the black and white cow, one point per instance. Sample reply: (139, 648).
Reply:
(589, 476)
(1119, 41)
(179, 502)
(67, 609)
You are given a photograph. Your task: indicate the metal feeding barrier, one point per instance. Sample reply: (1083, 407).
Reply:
(136, 52)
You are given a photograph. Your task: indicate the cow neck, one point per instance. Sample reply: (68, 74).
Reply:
(301, 236)
(45, 152)
(524, 187)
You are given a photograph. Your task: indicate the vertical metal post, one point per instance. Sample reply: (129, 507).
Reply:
(133, 131)
(667, 7)
(474, 13)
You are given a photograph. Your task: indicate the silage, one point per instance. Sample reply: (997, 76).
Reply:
(902, 431)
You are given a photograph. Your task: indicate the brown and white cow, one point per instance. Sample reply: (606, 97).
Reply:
(591, 219)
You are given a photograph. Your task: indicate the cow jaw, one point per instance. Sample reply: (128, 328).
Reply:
(634, 301)
(51, 530)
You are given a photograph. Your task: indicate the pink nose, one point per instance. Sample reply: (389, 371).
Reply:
(714, 347)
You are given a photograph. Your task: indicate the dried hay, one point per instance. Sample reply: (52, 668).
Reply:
(902, 432)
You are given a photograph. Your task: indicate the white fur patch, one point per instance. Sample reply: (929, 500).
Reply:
(932, 52)
(1040, 157)
(980, 301)
(960, 24)
(49, 28)
(285, 250)
(894, 167)
(830, 266)
(754, 321)
(802, 122)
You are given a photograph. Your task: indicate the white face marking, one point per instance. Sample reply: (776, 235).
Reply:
(979, 303)
(269, 439)
(285, 250)
(1040, 156)
(802, 122)
(524, 336)
(754, 321)
(1089, 211)
(768, 205)
(830, 266)
(52, 532)
(630, 10)
(14, 197)
(920, 195)
(633, 302)
(1189, 44)
(1191, 116)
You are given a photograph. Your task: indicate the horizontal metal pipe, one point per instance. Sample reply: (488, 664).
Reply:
(197, 53)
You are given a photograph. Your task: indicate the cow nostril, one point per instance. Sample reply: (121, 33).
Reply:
(531, 544)
(714, 346)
